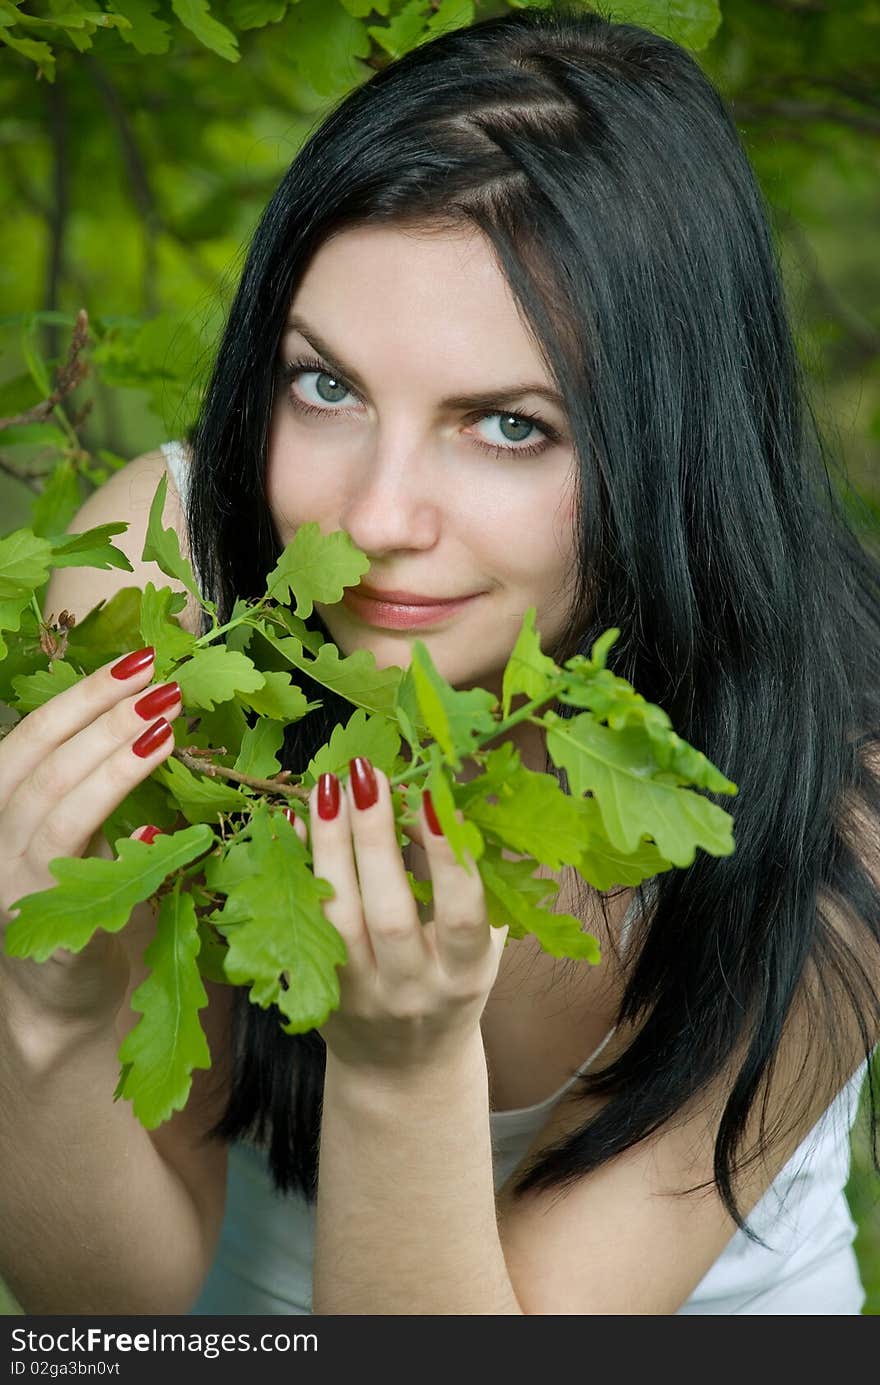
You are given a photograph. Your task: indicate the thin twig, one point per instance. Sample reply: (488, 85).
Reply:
(67, 378)
(194, 757)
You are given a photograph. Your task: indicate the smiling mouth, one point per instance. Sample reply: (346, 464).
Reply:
(400, 615)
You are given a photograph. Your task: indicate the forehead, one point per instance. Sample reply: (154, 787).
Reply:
(389, 281)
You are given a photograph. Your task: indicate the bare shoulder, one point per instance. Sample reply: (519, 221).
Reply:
(126, 497)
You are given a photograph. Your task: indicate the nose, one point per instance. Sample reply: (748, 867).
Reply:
(394, 501)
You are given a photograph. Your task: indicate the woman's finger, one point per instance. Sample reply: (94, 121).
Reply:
(33, 739)
(333, 861)
(389, 909)
(63, 771)
(461, 926)
(146, 834)
(69, 826)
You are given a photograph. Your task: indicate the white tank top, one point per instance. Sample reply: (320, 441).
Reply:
(263, 1263)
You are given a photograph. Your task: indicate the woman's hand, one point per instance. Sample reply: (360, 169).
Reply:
(411, 993)
(64, 768)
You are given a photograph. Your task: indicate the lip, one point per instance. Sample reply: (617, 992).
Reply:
(401, 615)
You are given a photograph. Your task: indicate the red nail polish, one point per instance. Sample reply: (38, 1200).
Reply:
(431, 813)
(290, 815)
(150, 834)
(328, 797)
(157, 700)
(150, 741)
(363, 782)
(134, 663)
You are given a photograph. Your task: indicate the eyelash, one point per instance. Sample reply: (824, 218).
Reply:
(290, 369)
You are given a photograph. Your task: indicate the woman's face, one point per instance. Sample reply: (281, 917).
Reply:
(371, 435)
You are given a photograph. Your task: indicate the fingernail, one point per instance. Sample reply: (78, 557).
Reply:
(363, 782)
(134, 663)
(328, 797)
(150, 834)
(290, 815)
(430, 813)
(157, 734)
(157, 700)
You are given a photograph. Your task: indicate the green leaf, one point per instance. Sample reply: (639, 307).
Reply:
(449, 15)
(58, 501)
(260, 747)
(454, 718)
(618, 767)
(92, 548)
(278, 698)
(196, 16)
(225, 727)
(316, 567)
(692, 23)
(200, 798)
(604, 867)
(361, 8)
(147, 34)
(160, 1052)
(35, 689)
(159, 628)
(212, 955)
(532, 813)
(11, 613)
(507, 900)
(404, 30)
(24, 563)
(528, 670)
(462, 835)
(323, 43)
(109, 629)
(162, 546)
(256, 14)
(372, 736)
(39, 53)
(216, 673)
(93, 893)
(274, 922)
(354, 677)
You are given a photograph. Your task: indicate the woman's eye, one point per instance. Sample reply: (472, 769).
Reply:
(324, 387)
(509, 429)
(314, 390)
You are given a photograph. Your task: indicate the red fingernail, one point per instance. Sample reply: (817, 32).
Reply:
(363, 782)
(290, 815)
(157, 734)
(430, 813)
(328, 797)
(157, 700)
(134, 663)
(150, 834)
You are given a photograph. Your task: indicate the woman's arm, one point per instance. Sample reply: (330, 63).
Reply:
(99, 1214)
(407, 1218)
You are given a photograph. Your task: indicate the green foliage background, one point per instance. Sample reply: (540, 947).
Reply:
(140, 140)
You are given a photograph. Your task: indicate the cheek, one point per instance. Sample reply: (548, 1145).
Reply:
(295, 491)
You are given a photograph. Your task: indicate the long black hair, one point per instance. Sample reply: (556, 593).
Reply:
(609, 177)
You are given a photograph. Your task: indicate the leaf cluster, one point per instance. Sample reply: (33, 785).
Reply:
(238, 900)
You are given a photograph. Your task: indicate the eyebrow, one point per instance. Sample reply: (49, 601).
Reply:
(481, 399)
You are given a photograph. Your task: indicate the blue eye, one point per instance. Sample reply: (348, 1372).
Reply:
(328, 383)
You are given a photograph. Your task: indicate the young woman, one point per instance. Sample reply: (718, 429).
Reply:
(513, 319)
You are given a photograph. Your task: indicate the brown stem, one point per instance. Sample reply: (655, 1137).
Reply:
(67, 378)
(194, 758)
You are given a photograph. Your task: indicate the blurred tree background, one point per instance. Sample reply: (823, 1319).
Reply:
(141, 139)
